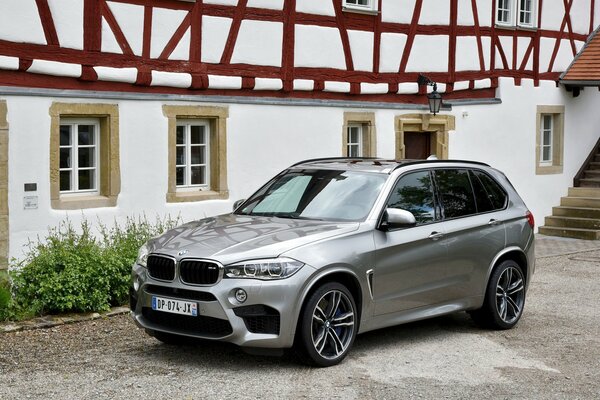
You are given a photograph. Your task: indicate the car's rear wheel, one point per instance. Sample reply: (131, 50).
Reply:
(504, 298)
(327, 325)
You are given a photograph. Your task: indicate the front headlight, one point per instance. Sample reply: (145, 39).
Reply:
(142, 258)
(267, 269)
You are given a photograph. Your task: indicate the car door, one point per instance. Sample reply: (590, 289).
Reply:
(474, 230)
(409, 261)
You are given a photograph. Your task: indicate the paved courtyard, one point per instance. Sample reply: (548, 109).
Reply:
(554, 352)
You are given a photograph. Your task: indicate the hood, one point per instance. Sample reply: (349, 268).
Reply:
(230, 238)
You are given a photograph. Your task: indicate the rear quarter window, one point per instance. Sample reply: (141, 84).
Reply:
(496, 196)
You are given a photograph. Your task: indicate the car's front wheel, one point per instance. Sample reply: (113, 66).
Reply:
(327, 325)
(504, 298)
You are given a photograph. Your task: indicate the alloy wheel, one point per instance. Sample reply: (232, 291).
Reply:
(332, 328)
(510, 295)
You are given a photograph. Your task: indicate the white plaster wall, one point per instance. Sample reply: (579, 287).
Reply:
(428, 54)
(20, 22)
(465, 13)
(467, 58)
(164, 24)
(214, 37)
(392, 48)
(272, 4)
(361, 46)
(68, 21)
(259, 43)
(310, 42)
(435, 12)
(130, 18)
(322, 7)
(484, 11)
(399, 11)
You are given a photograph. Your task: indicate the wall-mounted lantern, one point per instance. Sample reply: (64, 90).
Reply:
(434, 98)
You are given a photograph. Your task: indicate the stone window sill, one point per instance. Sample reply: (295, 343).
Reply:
(185, 197)
(80, 202)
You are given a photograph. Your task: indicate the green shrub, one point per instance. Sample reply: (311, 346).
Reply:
(70, 270)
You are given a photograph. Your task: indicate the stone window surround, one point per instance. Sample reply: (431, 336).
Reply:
(217, 117)
(439, 125)
(4, 236)
(110, 172)
(369, 139)
(558, 123)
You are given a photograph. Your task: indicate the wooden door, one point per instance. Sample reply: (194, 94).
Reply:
(417, 145)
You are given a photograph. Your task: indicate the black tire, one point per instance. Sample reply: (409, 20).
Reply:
(171, 339)
(504, 297)
(327, 326)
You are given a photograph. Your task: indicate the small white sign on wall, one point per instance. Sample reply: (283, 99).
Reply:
(30, 202)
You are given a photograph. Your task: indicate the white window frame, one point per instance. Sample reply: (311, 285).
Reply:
(187, 124)
(74, 146)
(352, 5)
(359, 143)
(515, 8)
(543, 144)
(520, 10)
(511, 11)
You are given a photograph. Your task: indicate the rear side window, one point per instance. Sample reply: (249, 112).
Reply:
(414, 192)
(455, 192)
(496, 195)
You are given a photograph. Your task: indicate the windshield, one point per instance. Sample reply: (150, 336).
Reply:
(318, 195)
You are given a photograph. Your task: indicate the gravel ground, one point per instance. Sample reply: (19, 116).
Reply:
(553, 353)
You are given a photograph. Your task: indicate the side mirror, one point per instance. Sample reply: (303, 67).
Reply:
(238, 203)
(396, 218)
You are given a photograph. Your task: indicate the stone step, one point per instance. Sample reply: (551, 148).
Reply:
(577, 233)
(591, 174)
(584, 192)
(589, 183)
(570, 222)
(593, 165)
(597, 157)
(576, 212)
(589, 202)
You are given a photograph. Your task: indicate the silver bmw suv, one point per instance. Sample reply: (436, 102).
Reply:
(330, 248)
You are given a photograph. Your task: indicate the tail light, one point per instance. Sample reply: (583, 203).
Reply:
(530, 219)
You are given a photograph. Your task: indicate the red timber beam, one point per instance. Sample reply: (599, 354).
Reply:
(567, 4)
(287, 54)
(452, 40)
(47, 23)
(477, 29)
(234, 31)
(414, 25)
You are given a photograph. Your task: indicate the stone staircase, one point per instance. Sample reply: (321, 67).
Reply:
(578, 215)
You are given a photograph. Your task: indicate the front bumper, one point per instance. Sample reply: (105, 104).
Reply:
(269, 305)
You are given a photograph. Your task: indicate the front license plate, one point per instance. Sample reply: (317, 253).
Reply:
(174, 306)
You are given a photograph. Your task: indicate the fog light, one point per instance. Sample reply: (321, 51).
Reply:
(136, 283)
(241, 295)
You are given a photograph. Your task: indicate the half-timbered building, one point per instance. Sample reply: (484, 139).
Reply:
(111, 108)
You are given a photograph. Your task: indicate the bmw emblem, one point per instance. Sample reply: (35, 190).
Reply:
(182, 252)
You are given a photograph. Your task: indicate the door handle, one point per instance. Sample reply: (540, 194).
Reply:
(436, 235)
(494, 222)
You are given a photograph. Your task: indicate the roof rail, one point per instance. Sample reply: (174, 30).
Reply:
(336, 159)
(413, 162)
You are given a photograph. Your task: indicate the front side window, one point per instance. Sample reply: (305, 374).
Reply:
(192, 154)
(456, 193)
(414, 192)
(78, 156)
(318, 195)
